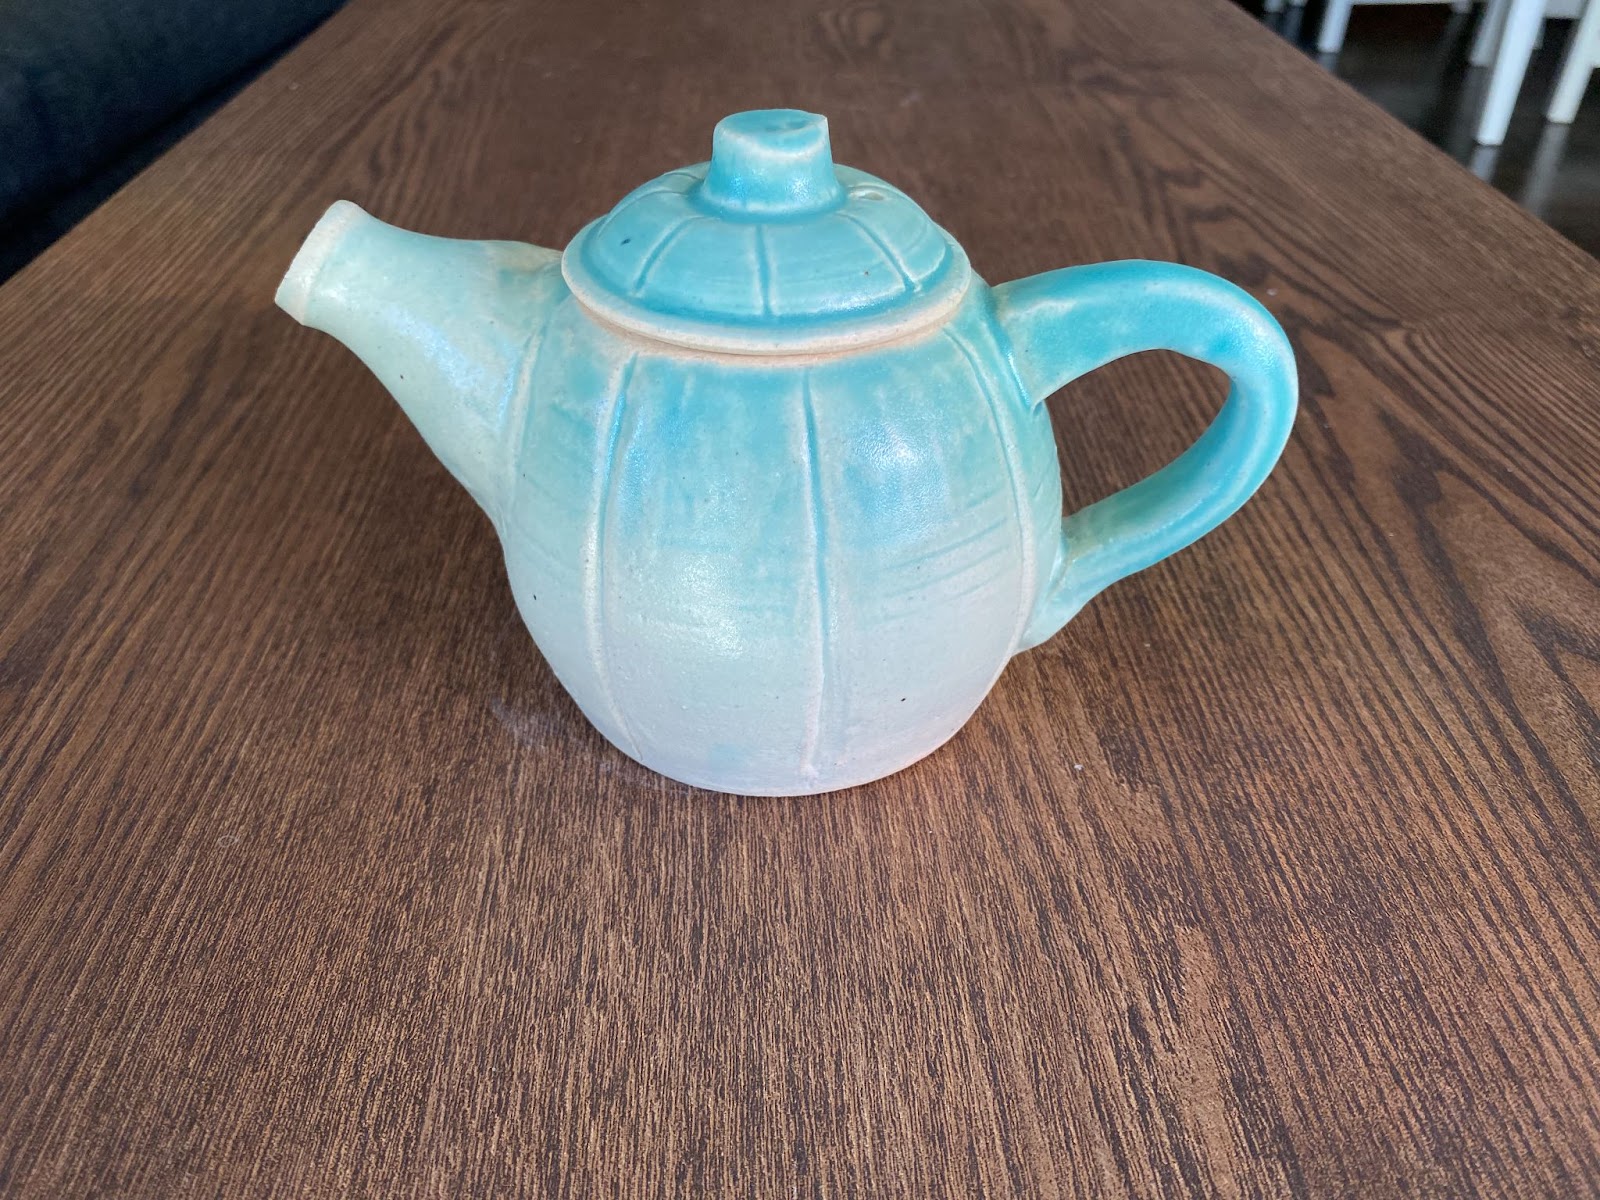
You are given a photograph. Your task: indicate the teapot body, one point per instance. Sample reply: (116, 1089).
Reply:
(777, 576)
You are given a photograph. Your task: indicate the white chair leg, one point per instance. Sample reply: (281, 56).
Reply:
(1582, 51)
(1335, 19)
(1297, 3)
(1542, 170)
(1490, 26)
(1271, 6)
(1510, 65)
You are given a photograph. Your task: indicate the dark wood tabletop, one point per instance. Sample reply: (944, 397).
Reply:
(1276, 873)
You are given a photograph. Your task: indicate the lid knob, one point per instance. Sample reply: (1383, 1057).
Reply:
(771, 162)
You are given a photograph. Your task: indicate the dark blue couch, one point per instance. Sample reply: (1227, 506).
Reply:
(91, 90)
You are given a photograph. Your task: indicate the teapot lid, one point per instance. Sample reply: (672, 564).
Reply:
(767, 249)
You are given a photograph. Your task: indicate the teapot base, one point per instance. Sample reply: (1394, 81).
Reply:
(840, 780)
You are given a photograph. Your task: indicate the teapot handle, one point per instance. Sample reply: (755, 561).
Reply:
(1064, 324)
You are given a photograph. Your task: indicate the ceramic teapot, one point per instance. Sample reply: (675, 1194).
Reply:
(771, 466)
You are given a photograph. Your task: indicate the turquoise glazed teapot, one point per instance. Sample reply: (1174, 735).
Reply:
(772, 468)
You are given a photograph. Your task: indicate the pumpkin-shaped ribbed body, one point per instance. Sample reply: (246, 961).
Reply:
(777, 576)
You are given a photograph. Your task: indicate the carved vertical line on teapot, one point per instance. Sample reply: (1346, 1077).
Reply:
(889, 256)
(648, 263)
(594, 593)
(1005, 433)
(815, 715)
(763, 271)
(519, 407)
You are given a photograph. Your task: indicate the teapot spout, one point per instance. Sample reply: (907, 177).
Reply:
(444, 324)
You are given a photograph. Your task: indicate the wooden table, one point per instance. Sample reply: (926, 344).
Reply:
(1275, 874)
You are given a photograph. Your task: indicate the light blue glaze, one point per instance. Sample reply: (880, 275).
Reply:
(776, 524)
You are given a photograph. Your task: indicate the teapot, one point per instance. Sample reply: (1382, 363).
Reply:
(771, 466)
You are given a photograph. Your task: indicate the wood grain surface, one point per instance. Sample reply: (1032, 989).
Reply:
(1275, 874)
